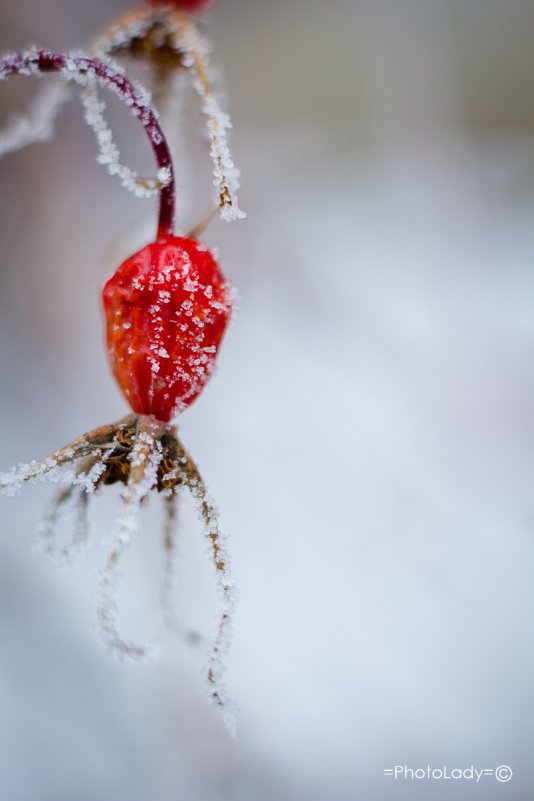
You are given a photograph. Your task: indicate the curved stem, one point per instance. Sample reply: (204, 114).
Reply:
(195, 57)
(83, 70)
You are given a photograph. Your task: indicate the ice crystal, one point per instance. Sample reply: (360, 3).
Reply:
(76, 492)
(109, 155)
(144, 455)
(226, 174)
(120, 35)
(173, 29)
(140, 452)
(144, 458)
(226, 591)
(68, 552)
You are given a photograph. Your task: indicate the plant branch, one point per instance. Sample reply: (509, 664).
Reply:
(84, 70)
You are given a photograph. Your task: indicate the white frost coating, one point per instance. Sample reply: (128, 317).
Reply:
(194, 51)
(134, 26)
(139, 103)
(226, 599)
(37, 123)
(12, 481)
(69, 552)
(88, 479)
(55, 468)
(80, 487)
(226, 175)
(144, 460)
(93, 453)
(226, 593)
(50, 469)
(109, 155)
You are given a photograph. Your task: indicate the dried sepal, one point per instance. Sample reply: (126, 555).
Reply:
(145, 455)
(187, 473)
(74, 496)
(195, 51)
(168, 39)
(143, 458)
(55, 467)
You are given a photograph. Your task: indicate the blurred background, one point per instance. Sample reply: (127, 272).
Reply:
(369, 436)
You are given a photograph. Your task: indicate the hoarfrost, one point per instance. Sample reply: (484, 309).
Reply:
(109, 155)
(226, 590)
(78, 69)
(144, 460)
(68, 553)
(120, 35)
(79, 489)
(226, 175)
(54, 468)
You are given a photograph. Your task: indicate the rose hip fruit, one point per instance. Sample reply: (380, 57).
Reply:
(188, 5)
(166, 308)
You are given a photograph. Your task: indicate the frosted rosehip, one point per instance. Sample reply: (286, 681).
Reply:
(188, 5)
(166, 308)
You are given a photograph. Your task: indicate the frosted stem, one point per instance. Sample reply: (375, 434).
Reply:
(195, 57)
(67, 553)
(144, 459)
(189, 475)
(52, 468)
(133, 25)
(109, 155)
(84, 70)
(49, 468)
(118, 37)
(51, 518)
(82, 486)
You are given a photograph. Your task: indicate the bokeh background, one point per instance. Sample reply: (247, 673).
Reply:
(369, 436)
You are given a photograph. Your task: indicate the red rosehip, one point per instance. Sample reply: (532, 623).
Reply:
(166, 308)
(188, 5)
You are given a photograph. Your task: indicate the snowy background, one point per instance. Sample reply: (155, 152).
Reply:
(369, 436)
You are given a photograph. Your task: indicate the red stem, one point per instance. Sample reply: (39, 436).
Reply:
(82, 70)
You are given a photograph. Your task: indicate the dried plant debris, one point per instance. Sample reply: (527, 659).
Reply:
(168, 40)
(145, 456)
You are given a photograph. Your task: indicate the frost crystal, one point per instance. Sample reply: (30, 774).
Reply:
(79, 489)
(141, 452)
(226, 590)
(74, 67)
(192, 51)
(226, 174)
(109, 155)
(144, 455)
(69, 552)
(144, 460)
